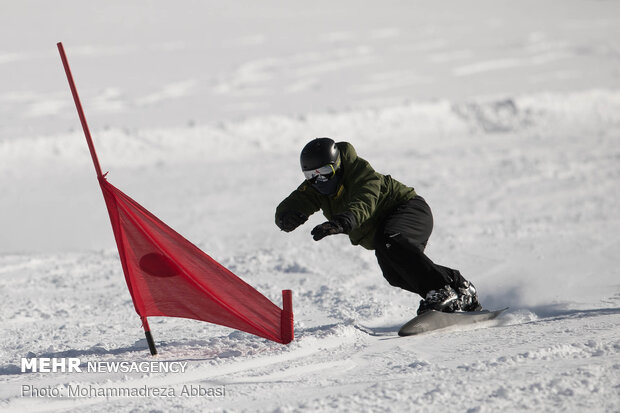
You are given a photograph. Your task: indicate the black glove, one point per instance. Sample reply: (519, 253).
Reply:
(339, 224)
(326, 228)
(290, 220)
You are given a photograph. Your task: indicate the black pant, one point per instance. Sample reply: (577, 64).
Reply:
(399, 247)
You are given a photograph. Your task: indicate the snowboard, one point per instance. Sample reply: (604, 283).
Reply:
(435, 320)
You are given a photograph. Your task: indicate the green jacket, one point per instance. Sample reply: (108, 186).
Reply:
(367, 194)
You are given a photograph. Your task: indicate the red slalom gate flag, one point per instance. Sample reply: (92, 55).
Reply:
(169, 276)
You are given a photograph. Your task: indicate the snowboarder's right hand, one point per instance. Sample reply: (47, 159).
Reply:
(290, 220)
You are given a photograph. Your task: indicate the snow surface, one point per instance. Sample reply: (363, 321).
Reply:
(505, 116)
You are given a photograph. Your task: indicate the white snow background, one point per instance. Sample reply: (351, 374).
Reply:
(504, 115)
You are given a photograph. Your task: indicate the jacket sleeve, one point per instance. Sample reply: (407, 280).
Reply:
(365, 187)
(303, 199)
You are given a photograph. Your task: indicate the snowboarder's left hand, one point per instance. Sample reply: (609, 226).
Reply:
(339, 224)
(326, 228)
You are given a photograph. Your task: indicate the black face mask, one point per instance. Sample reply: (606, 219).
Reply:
(329, 186)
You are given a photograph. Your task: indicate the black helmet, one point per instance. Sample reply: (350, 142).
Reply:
(321, 165)
(319, 152)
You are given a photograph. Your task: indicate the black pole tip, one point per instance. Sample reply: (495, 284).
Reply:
(149, 339)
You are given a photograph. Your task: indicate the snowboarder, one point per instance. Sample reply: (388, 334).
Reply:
(379, 213)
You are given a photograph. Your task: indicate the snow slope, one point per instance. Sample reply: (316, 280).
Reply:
(509, 127)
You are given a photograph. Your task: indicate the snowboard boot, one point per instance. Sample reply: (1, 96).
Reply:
(444, 299)
(467, 297)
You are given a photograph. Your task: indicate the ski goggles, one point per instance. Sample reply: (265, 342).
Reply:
(322, 174)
